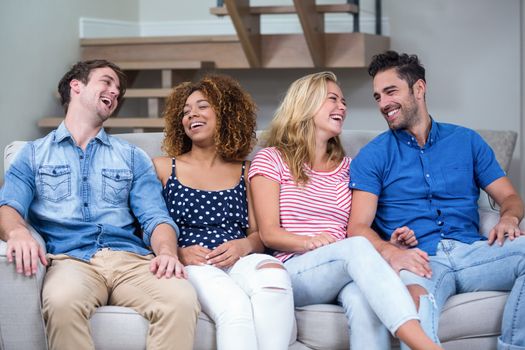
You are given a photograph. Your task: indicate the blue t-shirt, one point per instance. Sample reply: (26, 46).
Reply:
(207, 218)
(432, 189)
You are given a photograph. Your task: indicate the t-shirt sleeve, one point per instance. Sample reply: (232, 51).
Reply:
(486, 166)
(365, 171)
(267, 162)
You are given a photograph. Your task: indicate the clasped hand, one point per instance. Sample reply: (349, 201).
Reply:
(225, 255)
(402, 258)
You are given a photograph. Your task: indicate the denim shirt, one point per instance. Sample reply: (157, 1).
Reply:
(432, 189)
(83, 201)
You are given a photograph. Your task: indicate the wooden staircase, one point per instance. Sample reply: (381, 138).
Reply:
(180, 58)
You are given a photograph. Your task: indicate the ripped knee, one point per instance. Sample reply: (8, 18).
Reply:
(416, 292)
(273, 276)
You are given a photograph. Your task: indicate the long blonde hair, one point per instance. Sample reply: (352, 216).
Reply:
(292, 130)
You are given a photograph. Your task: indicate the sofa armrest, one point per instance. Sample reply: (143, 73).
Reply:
(488, 218)
(21, 322)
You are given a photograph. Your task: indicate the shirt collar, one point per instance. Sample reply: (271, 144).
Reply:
(407, 138)
(62, 133)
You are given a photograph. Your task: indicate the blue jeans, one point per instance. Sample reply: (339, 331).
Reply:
(327, 275)
(460, 268)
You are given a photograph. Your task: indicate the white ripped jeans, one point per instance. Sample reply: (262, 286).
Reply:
(252, 305)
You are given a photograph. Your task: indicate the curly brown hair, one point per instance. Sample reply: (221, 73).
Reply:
(235, 110)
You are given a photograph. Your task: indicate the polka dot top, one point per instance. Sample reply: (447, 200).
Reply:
(207, 218)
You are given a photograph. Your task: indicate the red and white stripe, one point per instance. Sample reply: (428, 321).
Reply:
(322, 205)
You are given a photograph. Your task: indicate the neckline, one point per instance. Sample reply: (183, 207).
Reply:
(331, 172)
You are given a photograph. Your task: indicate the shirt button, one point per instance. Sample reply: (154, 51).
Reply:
(85, 204)
(81, 157)
(440, 223)
(427, 175)
(442, 235)
(84, 178)
(422, 151)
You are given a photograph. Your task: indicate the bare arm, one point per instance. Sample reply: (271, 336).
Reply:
(266, 203)
(27, 251)
(364, 206)
(511, 210)
(164, 244)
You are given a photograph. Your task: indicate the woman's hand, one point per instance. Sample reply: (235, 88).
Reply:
(193, 255)
(317, 241)
(403, 237)
(229, 252)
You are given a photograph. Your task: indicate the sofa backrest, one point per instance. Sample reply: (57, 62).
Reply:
(502, 142)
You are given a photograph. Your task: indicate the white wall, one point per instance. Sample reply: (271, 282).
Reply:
(471, 49)
(38, 43)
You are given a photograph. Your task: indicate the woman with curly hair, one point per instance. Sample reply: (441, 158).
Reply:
(302, 205)
(210, 129)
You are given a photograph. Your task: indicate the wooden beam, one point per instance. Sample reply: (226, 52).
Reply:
(342, 50)
(161, 65)
(160, 40)
(147, 93)
(281, 10)
(248, 28)
(313, 29)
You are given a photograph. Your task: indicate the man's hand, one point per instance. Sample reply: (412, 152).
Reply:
(506, 227)
(414, 260)
(26, 251)
(403, 237)
(193, 255)
(229, 252)
(318, 241)
(165, 265)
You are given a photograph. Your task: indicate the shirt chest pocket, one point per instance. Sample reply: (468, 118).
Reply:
(116, 184)
(54, 182)
(457, 179)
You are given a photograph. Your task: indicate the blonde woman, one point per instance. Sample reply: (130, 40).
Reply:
(302, 204)
(209, 132)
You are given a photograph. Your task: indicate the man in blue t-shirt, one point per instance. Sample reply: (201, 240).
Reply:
(419, 182)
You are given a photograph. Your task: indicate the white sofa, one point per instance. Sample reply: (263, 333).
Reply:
(469, 321)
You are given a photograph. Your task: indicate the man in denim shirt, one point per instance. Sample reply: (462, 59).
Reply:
(423, 178)
(86, 193)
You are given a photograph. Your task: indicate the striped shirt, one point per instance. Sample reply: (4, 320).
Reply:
(322, 205)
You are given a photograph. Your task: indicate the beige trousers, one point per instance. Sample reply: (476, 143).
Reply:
(73, 289)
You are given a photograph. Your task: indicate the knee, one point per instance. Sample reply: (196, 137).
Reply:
(416, 292)
(184, 301)
(272, 276)
(359, 244)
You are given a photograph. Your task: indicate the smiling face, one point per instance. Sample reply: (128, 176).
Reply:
(100, 94)
(398, 103)
(199, 119)
(329, 118)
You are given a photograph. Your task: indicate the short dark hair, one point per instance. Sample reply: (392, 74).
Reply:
(407, 66)
(81, 71)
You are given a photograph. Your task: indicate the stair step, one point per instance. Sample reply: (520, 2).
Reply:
(342, 50)
(268, 10)
(161, 65)
(115, 122)
(147, 93)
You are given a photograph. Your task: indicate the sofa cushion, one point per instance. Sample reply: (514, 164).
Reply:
(472, 315)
